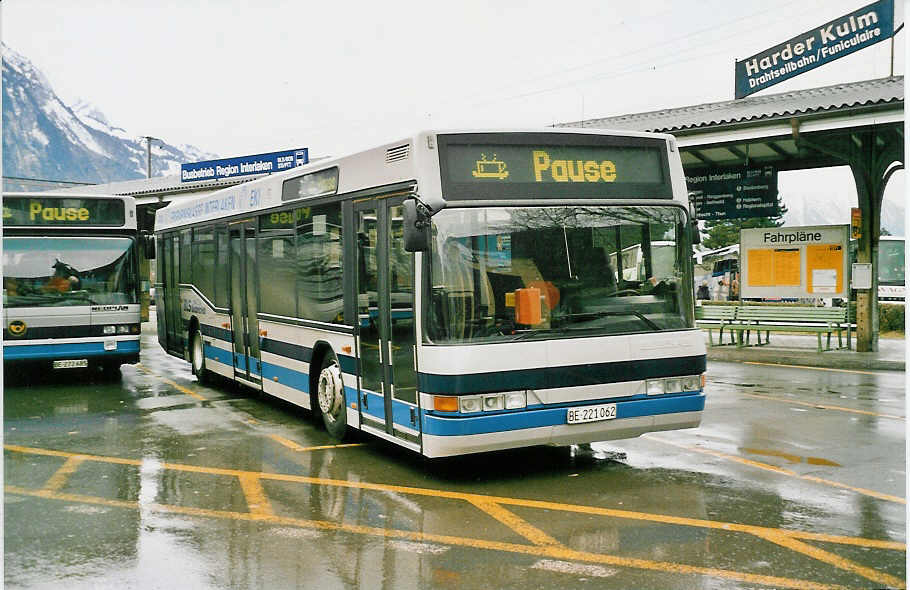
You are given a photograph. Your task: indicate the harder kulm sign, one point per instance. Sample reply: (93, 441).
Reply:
(833, 40)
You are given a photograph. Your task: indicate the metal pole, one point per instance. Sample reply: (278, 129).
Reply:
(148, 154)
(896, 31)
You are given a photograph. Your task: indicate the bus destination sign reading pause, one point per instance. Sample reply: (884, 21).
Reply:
(541, 167)
(62, 211)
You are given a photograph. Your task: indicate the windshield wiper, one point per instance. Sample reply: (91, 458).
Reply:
(593, 315)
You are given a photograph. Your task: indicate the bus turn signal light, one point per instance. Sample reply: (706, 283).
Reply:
(445, 403)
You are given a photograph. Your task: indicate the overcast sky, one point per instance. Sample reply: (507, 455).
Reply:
(240, 77)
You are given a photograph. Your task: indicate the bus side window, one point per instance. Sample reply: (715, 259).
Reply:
(276, 258)
(319, 286)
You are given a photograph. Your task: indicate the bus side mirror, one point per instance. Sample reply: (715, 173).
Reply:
(416, 226)
(148, 246)
(695, 235)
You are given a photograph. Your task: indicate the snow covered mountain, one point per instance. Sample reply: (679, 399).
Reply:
(44, 138)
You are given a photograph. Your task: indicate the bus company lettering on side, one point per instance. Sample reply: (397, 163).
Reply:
(572, 170)
(35, 208)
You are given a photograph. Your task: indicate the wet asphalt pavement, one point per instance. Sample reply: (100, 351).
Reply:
(796, 479)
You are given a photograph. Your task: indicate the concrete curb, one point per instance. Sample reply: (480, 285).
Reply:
(792, 356)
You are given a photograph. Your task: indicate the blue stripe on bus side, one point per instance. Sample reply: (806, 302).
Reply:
(439, 426)
(49, 351)
(289, 377)
(557, 377)
(300, 381)
(218, 354)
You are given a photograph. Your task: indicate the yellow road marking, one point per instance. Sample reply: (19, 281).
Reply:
(822, 406)
(516, 523)
(296, 447)
(792, 458)
(256, 499)
(864, 491)
(554, 552)
(781, 470)
(542, 504)
(173, 384)
(835, 560)
(815, 368)
(60, 477)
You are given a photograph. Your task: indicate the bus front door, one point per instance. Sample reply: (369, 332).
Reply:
(385, 305)
(247, 365)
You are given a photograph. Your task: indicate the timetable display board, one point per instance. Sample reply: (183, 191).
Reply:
(797, 262)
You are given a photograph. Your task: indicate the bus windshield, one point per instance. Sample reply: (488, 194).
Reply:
(64, 271)
(508, 273)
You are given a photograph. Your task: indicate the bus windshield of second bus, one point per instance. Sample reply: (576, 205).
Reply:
(482, 257)
(64, 271)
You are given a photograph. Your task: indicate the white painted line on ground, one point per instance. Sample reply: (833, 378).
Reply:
(420, 548)
(577, 569)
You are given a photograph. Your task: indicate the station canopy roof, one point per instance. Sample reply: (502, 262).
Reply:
(759, 129)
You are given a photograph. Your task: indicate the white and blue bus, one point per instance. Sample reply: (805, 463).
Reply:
(451, 292)
(70, 280)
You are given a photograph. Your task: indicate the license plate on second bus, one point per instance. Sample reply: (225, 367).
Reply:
(71, 364)
(591, 414)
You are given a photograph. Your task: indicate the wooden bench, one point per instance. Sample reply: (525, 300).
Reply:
(767, 319)
(715, 317)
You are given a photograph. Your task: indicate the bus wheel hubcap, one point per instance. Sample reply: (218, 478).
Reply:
(197, 353)
(330, 390)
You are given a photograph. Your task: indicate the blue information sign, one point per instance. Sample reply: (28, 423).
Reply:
(835, 39)
(243, 165)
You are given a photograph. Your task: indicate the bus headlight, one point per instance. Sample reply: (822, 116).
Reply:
(470, 404)
(492, 402)
(691, 383)
(516, 400)
(123, 329)
(655, 387)
(109, 330)
(673, 385)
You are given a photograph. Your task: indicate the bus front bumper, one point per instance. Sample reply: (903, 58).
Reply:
(121, 347)
(444, 436)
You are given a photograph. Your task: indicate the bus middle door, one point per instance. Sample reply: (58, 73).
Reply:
(244, 303)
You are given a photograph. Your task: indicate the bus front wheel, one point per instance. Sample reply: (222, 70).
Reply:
(330, 396)
(198, 359)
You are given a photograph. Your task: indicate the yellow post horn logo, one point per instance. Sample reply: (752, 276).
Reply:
(16, 328)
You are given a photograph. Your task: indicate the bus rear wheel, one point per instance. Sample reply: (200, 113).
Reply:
(330, 397)
(197, 351)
